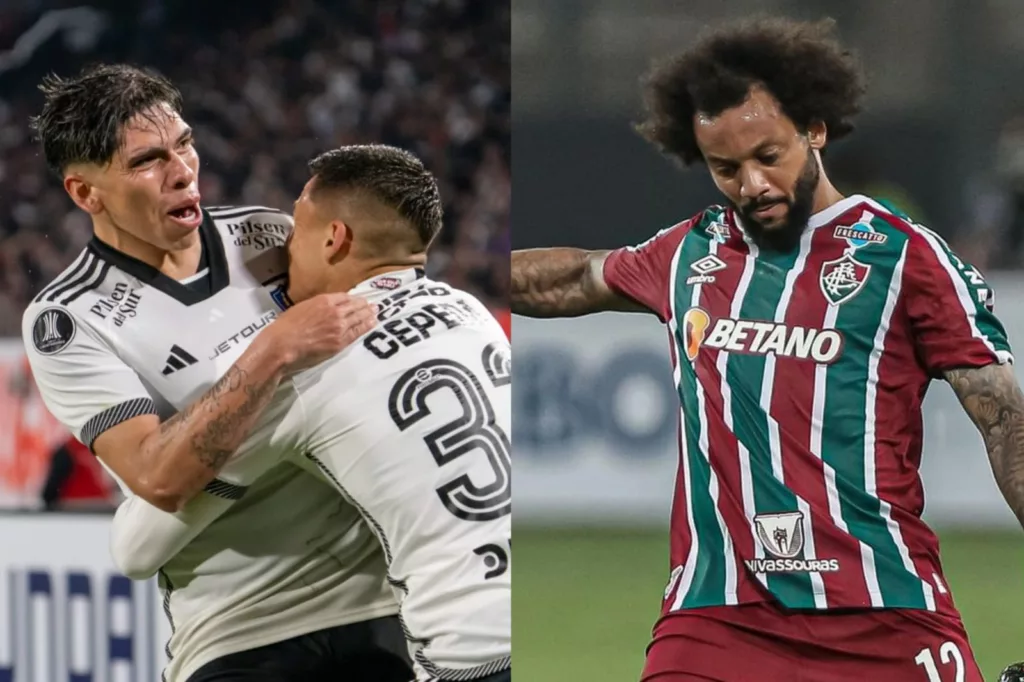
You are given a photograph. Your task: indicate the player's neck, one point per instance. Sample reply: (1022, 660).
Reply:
(825, 195)
(346, 281)
(176, 263)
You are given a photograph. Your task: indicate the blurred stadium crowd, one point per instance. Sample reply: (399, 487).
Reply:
(266, 89)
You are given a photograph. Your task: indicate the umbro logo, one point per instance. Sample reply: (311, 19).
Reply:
(178, 359)
(704, 267)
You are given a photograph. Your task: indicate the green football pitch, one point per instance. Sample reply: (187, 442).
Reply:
(584, 600)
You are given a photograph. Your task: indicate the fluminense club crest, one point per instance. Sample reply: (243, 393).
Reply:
(843, 278)
(720, 231)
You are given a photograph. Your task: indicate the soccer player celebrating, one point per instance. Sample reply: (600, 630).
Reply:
(411, 424)
(805, 326)
(155, 349)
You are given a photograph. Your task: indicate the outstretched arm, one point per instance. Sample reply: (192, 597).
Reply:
(993, 400)
(563, 282)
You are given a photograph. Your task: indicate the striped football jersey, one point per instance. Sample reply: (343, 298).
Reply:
(800, 377)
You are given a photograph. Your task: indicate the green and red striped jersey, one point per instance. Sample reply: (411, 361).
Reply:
(801, 377)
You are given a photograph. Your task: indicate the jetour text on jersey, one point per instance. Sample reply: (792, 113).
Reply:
(245, 332)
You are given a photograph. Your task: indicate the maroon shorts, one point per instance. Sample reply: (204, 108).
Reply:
(765, 643)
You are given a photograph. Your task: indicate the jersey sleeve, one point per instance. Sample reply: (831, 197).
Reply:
(81, 378)
(642, 273)
(951, 309)
(144, 538)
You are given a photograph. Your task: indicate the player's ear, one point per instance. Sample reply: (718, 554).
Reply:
(83, 193)
(339, 241)
(817, 135)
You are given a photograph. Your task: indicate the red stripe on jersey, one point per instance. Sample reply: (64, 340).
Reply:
(679, 538)
(679, 521)
(644, 273)
(792, 408)
(717, 299)
(899, 439)
(943, 333)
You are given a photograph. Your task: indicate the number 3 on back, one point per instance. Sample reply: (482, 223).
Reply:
(475, 429)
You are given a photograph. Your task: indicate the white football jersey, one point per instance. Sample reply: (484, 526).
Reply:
(412, 425)
(113, 338)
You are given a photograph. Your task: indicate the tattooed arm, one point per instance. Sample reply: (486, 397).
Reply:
(993, 400)
(167, 464)
(563, 282)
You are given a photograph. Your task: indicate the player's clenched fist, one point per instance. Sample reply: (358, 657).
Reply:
(318, 328)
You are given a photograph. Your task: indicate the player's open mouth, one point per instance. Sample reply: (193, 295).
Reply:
(187, 215)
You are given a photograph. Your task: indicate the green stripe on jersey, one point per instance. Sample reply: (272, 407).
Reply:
(848, 419)
(750, 423)
(708, 585)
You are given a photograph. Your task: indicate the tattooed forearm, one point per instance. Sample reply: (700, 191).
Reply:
(232, 380)
(215, 445)
(190, 448)
(561, 283)
(993, 400)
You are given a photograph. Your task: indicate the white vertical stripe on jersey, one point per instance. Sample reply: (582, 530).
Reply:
(729, 554)
(767, 387)
(970, 309)
(686, 579)
(870, 411)
(746, 477)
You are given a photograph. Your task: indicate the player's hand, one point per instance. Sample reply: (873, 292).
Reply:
(319, 328)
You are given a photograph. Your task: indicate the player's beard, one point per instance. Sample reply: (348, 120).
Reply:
(786, 237)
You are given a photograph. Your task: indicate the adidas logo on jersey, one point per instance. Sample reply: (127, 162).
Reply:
(823, 346)
(178, 359)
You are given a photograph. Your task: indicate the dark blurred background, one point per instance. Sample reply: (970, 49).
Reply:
(268, 85)
(942, 134)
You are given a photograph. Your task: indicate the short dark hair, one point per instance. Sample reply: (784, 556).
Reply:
(83, 117)
(392, 176)
(803, 67)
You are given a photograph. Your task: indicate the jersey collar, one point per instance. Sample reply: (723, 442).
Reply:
(829, 214)
(386, 283)
(823, 217)
(213, 254)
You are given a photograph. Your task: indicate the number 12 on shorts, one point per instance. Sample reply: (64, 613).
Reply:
(948, 653)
